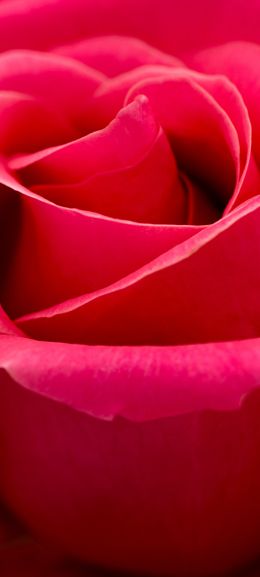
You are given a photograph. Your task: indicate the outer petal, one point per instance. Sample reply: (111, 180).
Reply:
(63, 85)
(139, 383)
(205, 289)
(239, 61)
(113, 55)
(176, 495)
(19, 115)
(172, 26)
(10, 528)
(7, 327)
(28, 558)
(49, 265)
(21, 555)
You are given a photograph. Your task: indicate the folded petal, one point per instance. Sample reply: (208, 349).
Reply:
(110, 95)
(172, 26)
(58, 253)
(126, 170)
(63, 85)
(127, 139)
(7, 327)
(138, 383)
(205, 289)
(113, 55)
(239, 61)
(171, 495)
(203, 138)
(20, 114)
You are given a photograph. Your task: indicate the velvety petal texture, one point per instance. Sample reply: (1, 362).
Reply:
(117, 171)
(129, 288)
(153, 488)
(25, 557)
(239, 62)
(114, 55)
(212, 306)
(63, 86)
(174, 27)
(21, 554)
(50, 267)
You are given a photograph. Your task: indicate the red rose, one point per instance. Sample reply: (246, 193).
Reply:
(130, 287)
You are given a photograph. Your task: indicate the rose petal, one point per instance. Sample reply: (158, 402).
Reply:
(109, 97)
(25, 557)
(138, 383)
(62, 84)
(21, 554)
(200, 210)
(156, 304)
(7, 327)
(203, 138)
(113, 55)
(172, 26)
(174, 495)
(232, 102)
(10, 528)
(148, 191)
(125, 171)
(49, 265)
(18, 112)
(127, 139)
(239, 61)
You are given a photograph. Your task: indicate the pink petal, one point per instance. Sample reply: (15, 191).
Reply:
(110, 95)
(125, 171)
(128, 137)
(113, 55)
(7, 327)
(172, 26)
(148, 191)
(49, 266)
(19, 111)
(63, 85)
(203, 138)
(158, 305)
(232, 102)
(172, 495)
(138, 383)
(239, 61)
